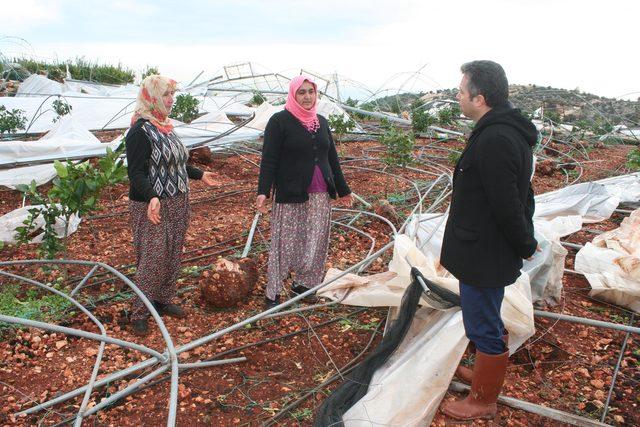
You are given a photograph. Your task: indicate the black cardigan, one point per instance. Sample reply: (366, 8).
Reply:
(289, 156)
(138, 154)
(490, 229)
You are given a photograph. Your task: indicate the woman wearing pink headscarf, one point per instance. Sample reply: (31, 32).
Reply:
(300, 162)
(158, 198)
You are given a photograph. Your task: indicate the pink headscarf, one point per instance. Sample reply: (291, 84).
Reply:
(308, 118)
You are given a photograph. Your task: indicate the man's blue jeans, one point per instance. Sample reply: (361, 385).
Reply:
(481, 317)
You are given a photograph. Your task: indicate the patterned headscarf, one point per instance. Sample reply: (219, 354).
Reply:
(149, 104)
(308, 118)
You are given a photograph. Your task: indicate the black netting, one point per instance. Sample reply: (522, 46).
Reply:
(356, 384)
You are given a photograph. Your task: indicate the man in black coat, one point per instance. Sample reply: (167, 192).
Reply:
(490, 229)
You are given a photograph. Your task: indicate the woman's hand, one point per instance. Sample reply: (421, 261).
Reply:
(153, 211)
(260, 203)
(209, 179)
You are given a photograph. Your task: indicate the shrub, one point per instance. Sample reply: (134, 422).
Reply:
(420, 119)
(552, 115)
(399, 146)
(448, 116)
(340, 125)
(258, 98)
(61, 107)
(353, 103)
(11, 121)
(601, 127)
(80, 69)
(75, 191)
(149, 71)
(453, 157)
(185, 108)
(633, 159)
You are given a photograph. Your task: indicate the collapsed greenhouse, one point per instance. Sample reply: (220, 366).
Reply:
(70, 358)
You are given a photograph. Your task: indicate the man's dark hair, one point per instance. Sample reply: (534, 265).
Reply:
(487, 78)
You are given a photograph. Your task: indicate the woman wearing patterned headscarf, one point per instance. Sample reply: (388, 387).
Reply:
(158, 198)
(300, 162)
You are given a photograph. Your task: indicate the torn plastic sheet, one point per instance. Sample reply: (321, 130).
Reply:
(625, 187)
(591, 200)
(232, 106)
(14, 219)
(212, 125)
(41, 85)
(611, 264)
(70, 139)
(409, 387)
(325, 108)
(93, 113)
(67, 139)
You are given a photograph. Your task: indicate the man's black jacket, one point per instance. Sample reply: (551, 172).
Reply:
(490, 229)
(289, 156)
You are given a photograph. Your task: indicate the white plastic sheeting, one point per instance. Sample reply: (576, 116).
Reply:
(611, 264)
(590, 200)
(14, 219)
(233, 106)
(211, 125)
(40, 85)
(264, 112)
(36, 84)
(93, 113)
(408, 388)
(67, 139)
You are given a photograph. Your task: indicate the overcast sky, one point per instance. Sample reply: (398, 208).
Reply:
(590, 45)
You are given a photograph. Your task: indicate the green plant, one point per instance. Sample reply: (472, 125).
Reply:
(80, 69)
(257, 99)
(11, 121)
(185, 108)
(340, 125)
(399, 146)
(453, 157)
(357, 326)
(354, 103)
(55, 73)
(601, 127)
(633, 159)
(302, 414)
(448, 116)
(75, 191)
(420, 119)
(32, 304)
(61, 108)
(149, 71)
(552, 115)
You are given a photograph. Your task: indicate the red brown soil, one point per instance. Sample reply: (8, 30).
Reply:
(565, 366)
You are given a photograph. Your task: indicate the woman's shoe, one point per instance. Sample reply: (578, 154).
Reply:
(171, 310)
(270, 303)
(140, 327)
(300, 289)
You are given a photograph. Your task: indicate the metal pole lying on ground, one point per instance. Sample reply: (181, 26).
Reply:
(585, 321)
(551, 413)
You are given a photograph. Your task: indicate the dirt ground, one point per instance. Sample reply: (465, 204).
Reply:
(565, 366)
